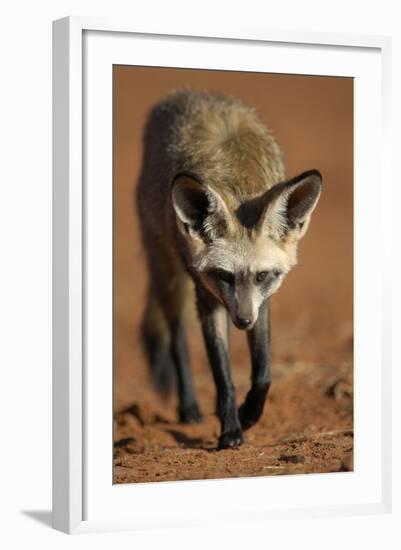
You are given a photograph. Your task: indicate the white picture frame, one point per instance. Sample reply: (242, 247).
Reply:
(83, 49)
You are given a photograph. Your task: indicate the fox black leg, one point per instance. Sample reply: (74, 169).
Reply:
(188, 409)
(214, 319)
(259, 345)
(172, 299)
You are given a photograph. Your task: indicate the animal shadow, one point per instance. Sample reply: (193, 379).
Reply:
(190, 442)
(143, 416)
(123, 442)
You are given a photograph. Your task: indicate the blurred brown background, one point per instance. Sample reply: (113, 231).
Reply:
(312, 314)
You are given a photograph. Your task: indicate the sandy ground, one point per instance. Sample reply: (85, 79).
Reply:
(308, 421)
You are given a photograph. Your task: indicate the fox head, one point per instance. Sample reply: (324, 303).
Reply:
(242, 251)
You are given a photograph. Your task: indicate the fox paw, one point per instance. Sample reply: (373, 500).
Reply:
(247, 418)
(231, 439)
(190, 414)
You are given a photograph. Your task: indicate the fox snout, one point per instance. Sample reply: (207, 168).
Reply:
(242, 311)
(243, 323)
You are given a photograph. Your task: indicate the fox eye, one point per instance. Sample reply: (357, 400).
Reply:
(261, 276)
(225, 276)
(271, 275)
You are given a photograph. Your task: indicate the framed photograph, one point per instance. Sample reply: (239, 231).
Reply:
(221, 310)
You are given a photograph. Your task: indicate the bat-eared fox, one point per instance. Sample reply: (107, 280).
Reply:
(217, 213)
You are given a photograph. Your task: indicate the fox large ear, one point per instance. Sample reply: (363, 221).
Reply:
(199, 208)
(289, 205)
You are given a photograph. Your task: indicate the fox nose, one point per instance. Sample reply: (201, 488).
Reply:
(242, 322)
